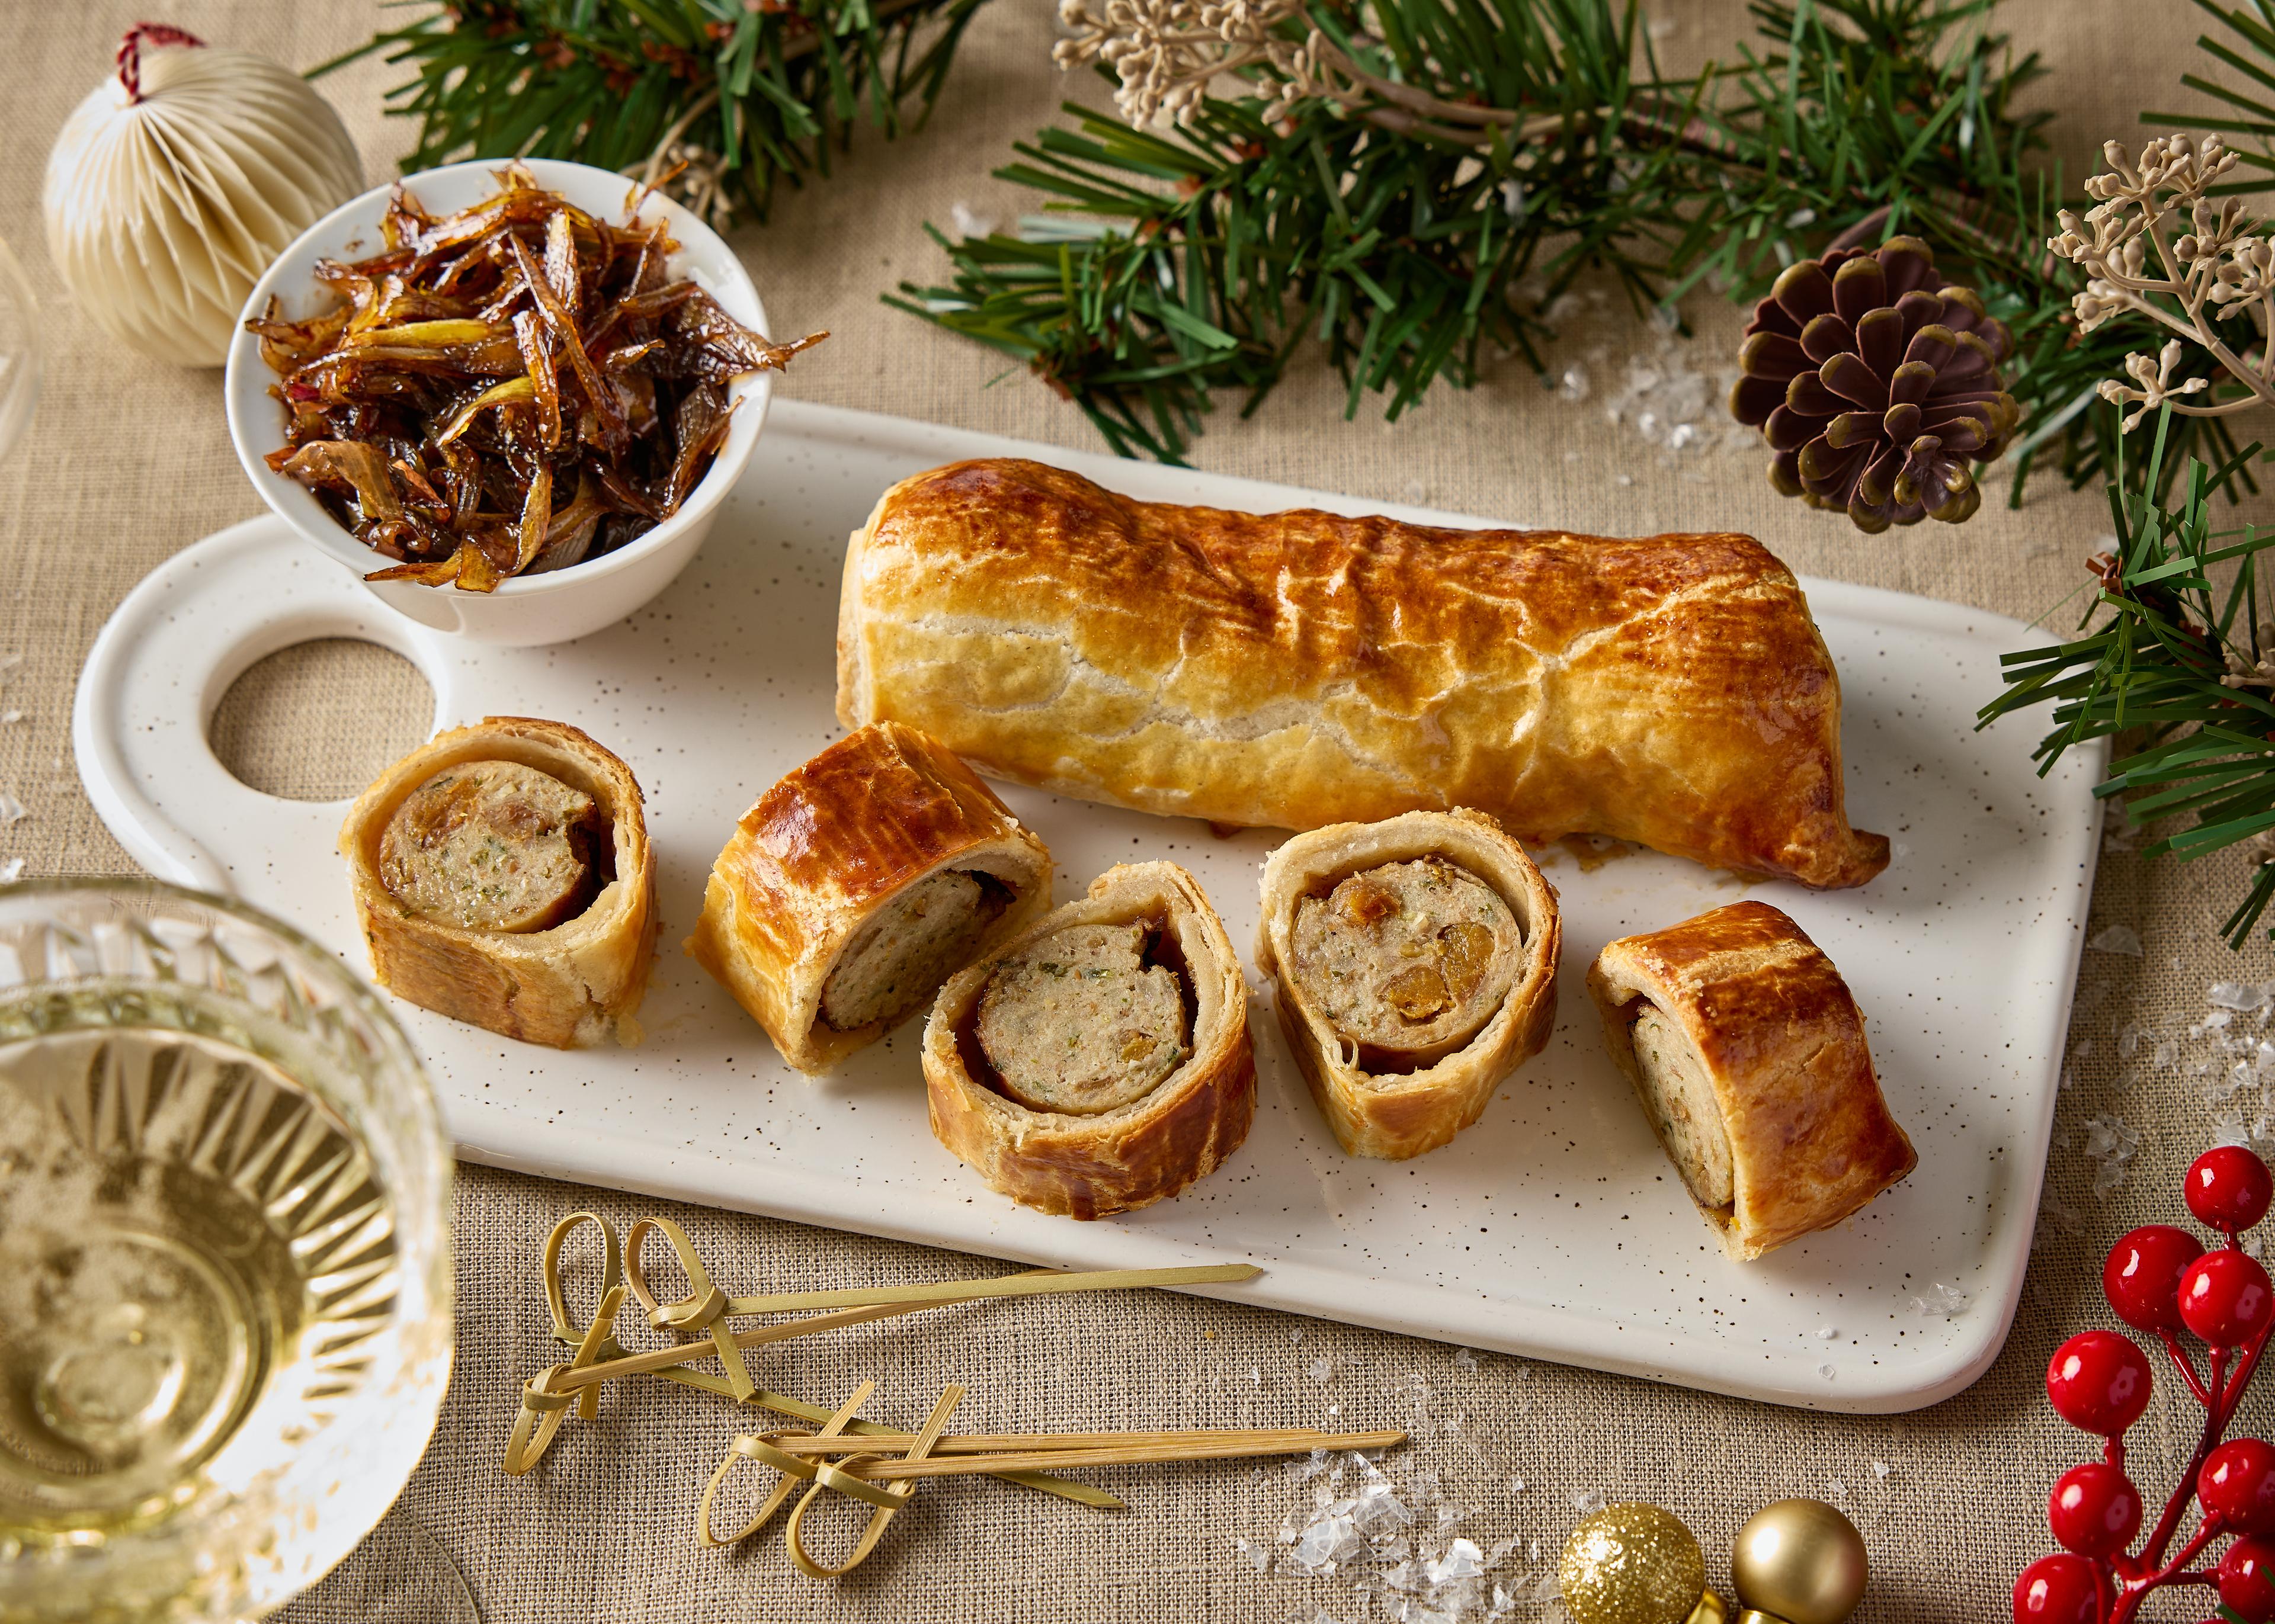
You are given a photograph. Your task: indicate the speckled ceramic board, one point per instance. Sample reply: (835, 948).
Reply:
(1553, 1227)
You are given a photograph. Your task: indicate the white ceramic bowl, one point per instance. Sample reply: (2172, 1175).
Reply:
(560, 604)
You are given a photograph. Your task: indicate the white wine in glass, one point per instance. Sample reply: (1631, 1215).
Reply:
(224, 1257)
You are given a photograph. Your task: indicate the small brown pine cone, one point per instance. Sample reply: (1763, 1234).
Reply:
(1876, 394)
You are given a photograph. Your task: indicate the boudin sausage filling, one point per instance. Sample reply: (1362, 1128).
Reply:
(1683, 1107)
(491, 846)
(911, 946)
(1408, 961)
(1078, 1022)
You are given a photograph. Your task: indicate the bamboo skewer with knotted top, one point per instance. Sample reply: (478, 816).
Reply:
(885, 1474)
(548, 1397)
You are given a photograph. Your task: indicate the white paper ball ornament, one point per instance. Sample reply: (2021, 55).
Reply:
(178, 179)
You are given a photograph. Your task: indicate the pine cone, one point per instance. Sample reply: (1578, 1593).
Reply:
(1875, 393)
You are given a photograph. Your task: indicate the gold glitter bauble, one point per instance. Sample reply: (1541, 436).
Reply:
(1632, 1564)
(1800, 1560)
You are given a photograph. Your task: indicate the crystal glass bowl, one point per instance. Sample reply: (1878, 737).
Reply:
(224, 1257)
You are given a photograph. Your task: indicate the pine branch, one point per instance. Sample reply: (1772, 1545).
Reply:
(1219, 246)
(2245, 109)
(737, 97)
(2179, 659)
(1212, 251)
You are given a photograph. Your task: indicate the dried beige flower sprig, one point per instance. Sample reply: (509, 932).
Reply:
(1167, 53)
(2215, 267)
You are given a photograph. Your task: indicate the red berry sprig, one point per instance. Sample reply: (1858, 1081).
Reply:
(2161, 1281)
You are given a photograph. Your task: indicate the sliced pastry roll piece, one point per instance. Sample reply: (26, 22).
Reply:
(1413, 965)
(503, 876)
(1100, 1060)
(1749, 1056)
(859, 883)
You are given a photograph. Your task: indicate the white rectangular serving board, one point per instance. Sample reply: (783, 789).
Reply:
(1555, 1227)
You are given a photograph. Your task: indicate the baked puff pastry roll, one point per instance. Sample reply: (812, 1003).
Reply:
(852, 888)
(1099, 1061)
(1298, 669)
(1749, 1056)
(503, 877)
(1413, 965)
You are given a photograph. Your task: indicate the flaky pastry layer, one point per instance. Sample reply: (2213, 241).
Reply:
(1396, 1115)
(1117, 1161)
(1781, 1041)
(831, 844)
(1298, 669)
(569, 986)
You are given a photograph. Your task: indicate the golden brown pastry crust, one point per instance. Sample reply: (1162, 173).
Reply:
(825, 849)
(1396, 1115)
(1811, 1141)
(569, 986)
(1295, 670)
(1117, 1161)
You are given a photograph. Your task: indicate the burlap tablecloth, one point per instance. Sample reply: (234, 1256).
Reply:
(128, 461)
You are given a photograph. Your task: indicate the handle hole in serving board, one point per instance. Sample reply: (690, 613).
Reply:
(320, 719)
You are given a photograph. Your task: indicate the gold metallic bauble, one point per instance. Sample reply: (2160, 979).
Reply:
(1632, 1564)
(1799, 1560)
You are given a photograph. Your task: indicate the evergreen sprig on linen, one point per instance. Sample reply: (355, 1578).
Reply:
(1215, 250)
(2241, 84)
(2178, 661)
(1414, 180)
(727, 99)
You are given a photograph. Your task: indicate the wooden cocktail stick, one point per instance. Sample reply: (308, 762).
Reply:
(659, 1360)
(880, 1302)
(599, 1357)
(1290, 1440)
(884, 1476)
(879, 1435)
(704, 1533)
(885, 1504)
(1037, 1283)
(1066, 1460)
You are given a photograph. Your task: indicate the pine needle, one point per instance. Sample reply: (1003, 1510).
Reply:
(2177, 660)
(750, 95)
(1417, 256)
